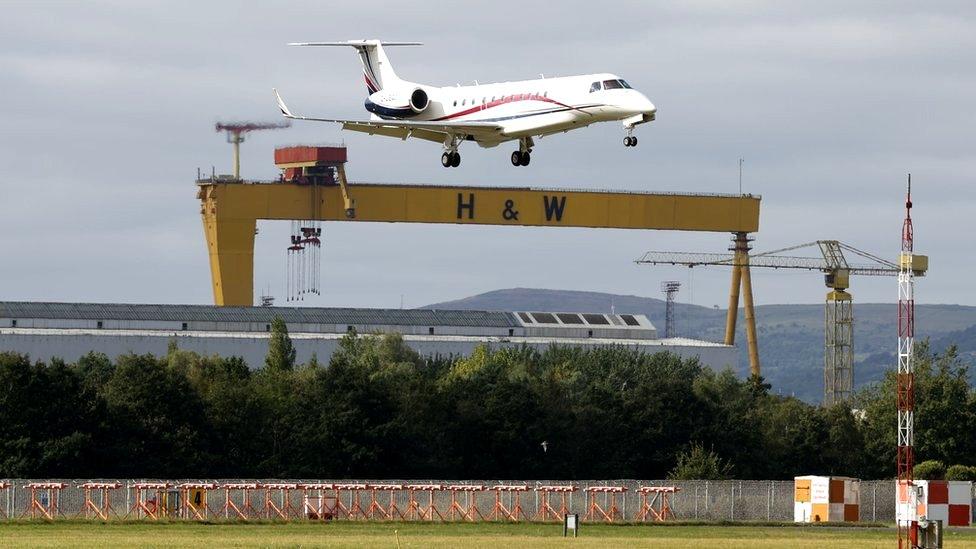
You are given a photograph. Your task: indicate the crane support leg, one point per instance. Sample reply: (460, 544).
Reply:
(733, 313)
(750, 314)
(742, 280)
(230, 245)
(348, 202)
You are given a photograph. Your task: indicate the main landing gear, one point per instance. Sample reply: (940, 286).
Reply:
(522, 156)
(451, 159)
(630, 141)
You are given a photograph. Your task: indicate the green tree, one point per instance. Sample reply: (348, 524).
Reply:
(945, 413)
(932, 469)
(700, 464)
(961, 472)
(156, 419)
(281, 352)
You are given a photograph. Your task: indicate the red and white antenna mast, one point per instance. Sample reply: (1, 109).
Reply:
(908, 521)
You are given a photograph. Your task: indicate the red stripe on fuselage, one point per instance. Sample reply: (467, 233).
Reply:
(509, 99)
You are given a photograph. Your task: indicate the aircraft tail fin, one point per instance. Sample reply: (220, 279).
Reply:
(377, 69)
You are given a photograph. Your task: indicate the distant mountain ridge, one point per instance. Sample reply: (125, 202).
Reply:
(790, 336)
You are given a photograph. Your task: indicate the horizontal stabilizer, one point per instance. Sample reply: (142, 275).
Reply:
(357, 43)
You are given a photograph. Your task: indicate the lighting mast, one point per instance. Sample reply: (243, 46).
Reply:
(907, 528)
(670, 289)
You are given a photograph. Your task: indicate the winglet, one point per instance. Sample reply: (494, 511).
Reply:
(281, 105)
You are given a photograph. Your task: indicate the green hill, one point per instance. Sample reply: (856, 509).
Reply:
(790, 336)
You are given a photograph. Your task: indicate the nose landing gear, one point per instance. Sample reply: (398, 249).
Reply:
(630, 141)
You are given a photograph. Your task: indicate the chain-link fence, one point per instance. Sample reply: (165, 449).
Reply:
(730, 500)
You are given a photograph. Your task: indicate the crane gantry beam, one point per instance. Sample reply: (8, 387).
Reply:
(230, 211)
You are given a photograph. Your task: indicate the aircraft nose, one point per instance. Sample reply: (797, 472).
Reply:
(644, 104)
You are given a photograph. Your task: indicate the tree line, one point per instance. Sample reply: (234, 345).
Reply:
(380, 410)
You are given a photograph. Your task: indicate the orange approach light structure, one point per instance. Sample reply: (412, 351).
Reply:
(98, 499)
(45, 499)
(656, 503)
(608, 511)
(546, 511)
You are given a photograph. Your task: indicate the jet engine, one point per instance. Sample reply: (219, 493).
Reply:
(419, 100)
(399, 102)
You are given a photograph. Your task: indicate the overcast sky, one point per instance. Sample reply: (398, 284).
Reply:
(108, 109)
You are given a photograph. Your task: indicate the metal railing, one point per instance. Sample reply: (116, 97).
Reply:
(730, 500)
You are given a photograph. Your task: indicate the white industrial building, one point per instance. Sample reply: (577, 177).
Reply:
(70, 330)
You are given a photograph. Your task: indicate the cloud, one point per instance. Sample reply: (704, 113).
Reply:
(109, 110)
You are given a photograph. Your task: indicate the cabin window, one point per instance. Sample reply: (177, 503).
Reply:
(13, 323)
(612, 85)
(545, 94)
(100, 324)
(594, 87)
(185, 326)
(455, 102)
(493, 99)
(464, 102)
(430, 331)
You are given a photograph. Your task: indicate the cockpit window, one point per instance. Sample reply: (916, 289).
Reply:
(624, 84)
(612, 85)
(594, 87)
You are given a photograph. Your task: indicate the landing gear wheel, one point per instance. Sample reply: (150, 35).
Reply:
(455, 159)
(526, 157)
(633, 141)
(516, 158)
(446, 160)
(627, 141)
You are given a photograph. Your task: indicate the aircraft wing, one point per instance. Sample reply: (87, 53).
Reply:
(429, 130)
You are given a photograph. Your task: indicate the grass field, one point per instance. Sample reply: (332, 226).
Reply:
(503, 536)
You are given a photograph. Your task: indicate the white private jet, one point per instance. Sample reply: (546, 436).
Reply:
(488, 114)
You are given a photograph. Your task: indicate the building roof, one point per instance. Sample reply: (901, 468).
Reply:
(673, 342)
(309, 315)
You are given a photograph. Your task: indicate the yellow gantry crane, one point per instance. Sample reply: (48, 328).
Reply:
(230, 211)
(839, 304)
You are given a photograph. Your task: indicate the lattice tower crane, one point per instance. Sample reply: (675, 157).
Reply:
(839, 304)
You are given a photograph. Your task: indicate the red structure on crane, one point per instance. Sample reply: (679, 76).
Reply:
(907, 522)
(316, 167)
